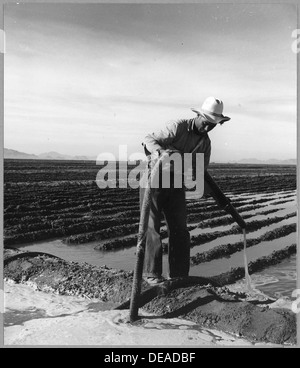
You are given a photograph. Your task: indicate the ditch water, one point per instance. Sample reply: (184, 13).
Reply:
(276, 281)
(247, 276)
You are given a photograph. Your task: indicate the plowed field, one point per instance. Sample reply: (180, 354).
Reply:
(56, 206)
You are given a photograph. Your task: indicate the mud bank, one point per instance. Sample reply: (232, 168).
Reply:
(213, 307)
(228, 220)
(200, 300)
(251, 227)
(130, 241)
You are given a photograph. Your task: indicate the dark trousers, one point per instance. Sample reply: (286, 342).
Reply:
(169, 202)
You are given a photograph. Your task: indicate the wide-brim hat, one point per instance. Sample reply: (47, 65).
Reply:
(212, 110)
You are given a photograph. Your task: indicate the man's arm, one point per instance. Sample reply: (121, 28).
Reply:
(207, 153)
(160, 141)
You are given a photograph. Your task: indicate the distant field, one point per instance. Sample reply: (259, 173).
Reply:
(46, 200)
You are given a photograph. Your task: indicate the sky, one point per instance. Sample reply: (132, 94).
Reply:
(82, 79)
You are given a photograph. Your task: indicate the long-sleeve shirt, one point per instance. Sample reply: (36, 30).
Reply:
(180, 136)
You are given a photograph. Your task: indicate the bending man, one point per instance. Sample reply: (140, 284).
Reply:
(183, 136)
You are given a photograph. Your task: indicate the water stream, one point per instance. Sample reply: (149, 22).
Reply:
(247, 276)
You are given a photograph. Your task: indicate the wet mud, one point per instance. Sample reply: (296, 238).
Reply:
(202, 300)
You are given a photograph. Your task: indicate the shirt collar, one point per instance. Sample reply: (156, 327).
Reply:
(191, 124)
(191, 128)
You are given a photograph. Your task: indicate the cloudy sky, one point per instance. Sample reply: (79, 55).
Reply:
(83, 79)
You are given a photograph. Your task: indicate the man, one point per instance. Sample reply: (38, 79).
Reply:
(184, 136)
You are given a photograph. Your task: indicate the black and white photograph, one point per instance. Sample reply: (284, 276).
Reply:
(150, 177)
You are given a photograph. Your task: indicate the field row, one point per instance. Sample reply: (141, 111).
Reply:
(89, 226)
(226, 250)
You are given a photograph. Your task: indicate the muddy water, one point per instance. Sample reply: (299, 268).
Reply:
(281, 281)
(126, 258)
(120, 259)
(278, 281)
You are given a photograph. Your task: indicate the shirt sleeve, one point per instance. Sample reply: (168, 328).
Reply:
(162, 139)
(207, 154)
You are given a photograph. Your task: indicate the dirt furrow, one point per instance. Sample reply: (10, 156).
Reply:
(226, 250)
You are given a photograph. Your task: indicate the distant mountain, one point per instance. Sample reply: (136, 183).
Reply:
(9, 153)
(84, 158)
(54, 156)
(58, 156)
(272, 161)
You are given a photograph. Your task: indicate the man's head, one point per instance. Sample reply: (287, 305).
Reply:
(212, 111)
(202, 125)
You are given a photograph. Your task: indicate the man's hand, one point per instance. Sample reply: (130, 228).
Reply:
(155, 155)
(161, 152)
(169, 152)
